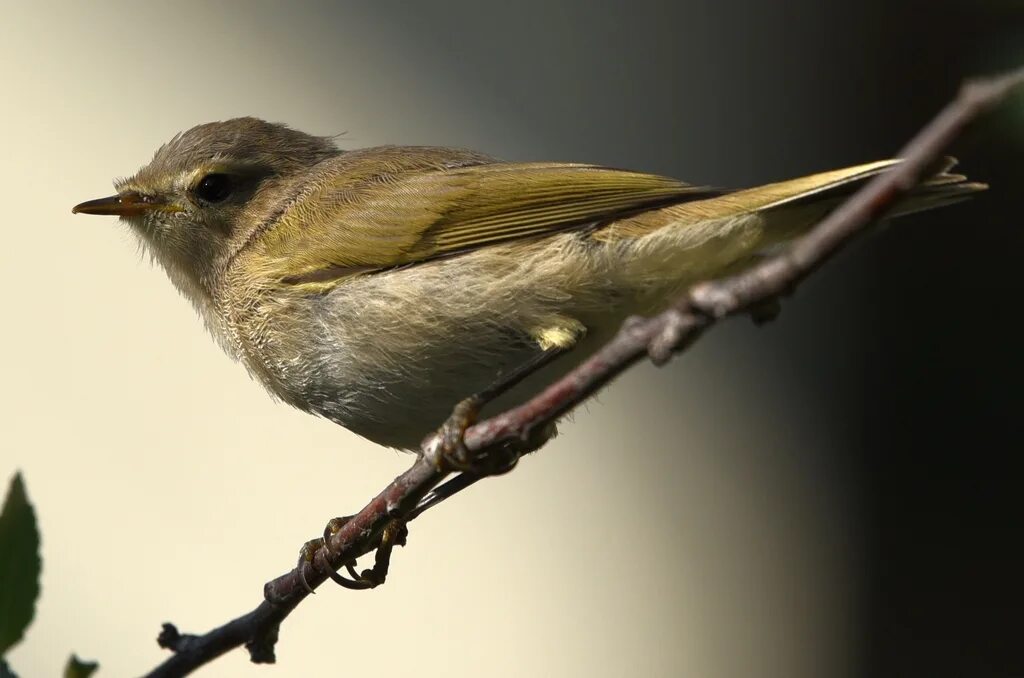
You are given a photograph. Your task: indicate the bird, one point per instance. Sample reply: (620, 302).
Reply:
(377, 287)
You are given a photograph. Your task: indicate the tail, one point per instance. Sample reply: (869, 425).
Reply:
(663, 251)
(791, 207)
(828, 189)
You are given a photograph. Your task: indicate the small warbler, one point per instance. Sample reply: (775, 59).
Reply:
(378, 287)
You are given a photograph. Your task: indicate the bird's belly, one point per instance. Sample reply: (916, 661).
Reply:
(384, 366)
(389, 355)
(399, 400)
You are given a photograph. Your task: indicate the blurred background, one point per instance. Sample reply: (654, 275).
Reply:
(830, 495)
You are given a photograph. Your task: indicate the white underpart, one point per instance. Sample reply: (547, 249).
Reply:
(406, 345)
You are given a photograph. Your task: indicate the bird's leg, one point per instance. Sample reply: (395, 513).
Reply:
(464, 416)
(467, 478)
(453, 431)
(466, 413)
(307, 554)
(454, 453)
(394, 534)
(314, 553)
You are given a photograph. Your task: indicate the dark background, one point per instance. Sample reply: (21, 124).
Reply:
(913, 337)
(941, 412)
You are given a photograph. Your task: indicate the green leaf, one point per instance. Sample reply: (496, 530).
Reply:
(77, 668)
(19, 564)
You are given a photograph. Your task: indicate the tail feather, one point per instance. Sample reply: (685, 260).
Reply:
(828, 187)
(802, 211)
(792, 206)
(793, 214)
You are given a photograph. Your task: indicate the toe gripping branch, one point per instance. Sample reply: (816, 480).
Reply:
(453, 456)
(502, 459)
(316, 551)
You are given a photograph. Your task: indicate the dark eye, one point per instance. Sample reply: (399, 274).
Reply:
(214, 187)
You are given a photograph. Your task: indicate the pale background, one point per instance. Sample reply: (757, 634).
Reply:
(743, 512)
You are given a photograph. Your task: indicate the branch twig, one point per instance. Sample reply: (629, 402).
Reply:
(658, 337)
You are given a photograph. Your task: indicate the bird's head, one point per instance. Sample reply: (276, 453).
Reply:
(205, 191)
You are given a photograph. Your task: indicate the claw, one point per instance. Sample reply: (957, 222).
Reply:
(454, 454)
(453, 448)
(334, 526)
(453, 432)
(307, 555)
(394, 534)
(353, 584)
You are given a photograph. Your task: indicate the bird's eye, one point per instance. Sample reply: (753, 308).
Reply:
(214, 187)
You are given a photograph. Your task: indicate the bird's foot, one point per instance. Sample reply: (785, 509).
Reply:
(453, 433)
(491, 462)
(307, 557)
(496, 459)
(505, 459)
(315, 553)
(455, 456)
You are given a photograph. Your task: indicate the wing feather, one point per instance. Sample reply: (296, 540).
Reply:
(362, 216)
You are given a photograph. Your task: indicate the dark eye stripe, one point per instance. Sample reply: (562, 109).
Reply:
(214, 187)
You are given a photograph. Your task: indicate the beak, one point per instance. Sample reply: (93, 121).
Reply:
(127, 204)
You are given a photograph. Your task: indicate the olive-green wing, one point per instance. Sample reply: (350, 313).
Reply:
(354, 222)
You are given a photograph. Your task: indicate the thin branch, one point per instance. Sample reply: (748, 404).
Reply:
(658, 338)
